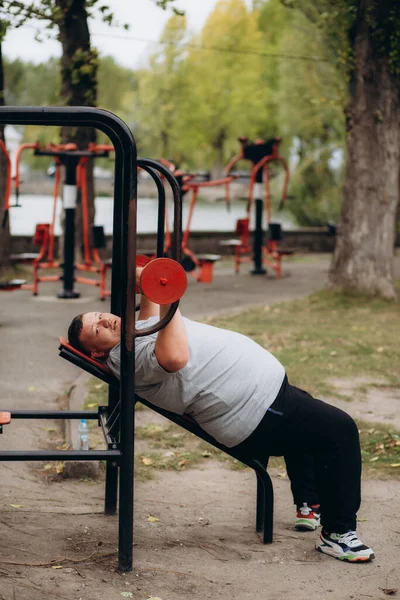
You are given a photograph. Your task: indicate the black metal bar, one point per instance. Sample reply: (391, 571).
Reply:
(52, 414)
(112, 444)
(123, 283)
(258, 240)
(176, 248)
(69, 201)
(176, 237)
(111, 488)
(260, 501)
(28, 455)
(142, 163)
(68, 153)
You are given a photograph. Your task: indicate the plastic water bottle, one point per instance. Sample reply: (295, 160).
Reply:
(83, 435)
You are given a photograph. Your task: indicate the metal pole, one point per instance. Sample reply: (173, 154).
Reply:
(258, 231)
(69, 200)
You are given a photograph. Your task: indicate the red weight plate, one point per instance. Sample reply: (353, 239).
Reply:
(141, 261)
(163, 281)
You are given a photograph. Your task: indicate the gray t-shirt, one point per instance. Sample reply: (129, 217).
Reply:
(227, 385)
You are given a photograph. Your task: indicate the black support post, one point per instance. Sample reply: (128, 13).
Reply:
(69, 201)
(258, 234)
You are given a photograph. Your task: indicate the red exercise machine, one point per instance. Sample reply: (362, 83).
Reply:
(261, 154)
(75, 163)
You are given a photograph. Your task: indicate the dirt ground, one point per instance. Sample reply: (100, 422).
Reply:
(56, 543)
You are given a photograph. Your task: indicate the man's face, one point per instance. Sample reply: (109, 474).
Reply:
(100, 333)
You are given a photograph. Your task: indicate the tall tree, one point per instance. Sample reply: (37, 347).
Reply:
(226, 73)
(162, 89)
(365, 36)
(308, 96)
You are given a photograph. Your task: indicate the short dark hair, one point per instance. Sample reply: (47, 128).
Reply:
(74, 334)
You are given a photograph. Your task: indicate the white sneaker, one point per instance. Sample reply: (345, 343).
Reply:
(344, 546)
(308, 517)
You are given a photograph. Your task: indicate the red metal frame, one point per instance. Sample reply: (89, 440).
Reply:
(203, 271)
(92, 261)
(44, 233)
(272, 255)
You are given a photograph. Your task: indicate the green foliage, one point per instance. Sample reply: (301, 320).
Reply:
(169, 3)
(326, 337)
(317, 190)
(83, 73)
(341, 20)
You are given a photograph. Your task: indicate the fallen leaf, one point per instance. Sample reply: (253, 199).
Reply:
(206, 453)
(374, 459)
(92, 405)
(127, 594)
(362, 520)
(183, 462)
(50, 429)
(333, 353)
(60, 468)
(17, 505)
(394, 465)
(47, 467)
(152, 519)
(393, 443)
(147, 461)
(57, 567)
(380, 349)
(389, 591)
(154, 598)
(98, 386)
(169, 454)
(31, 388)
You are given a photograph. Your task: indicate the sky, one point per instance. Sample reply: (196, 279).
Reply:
(146, 22)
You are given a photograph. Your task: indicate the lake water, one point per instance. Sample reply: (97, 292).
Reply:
(207, 216)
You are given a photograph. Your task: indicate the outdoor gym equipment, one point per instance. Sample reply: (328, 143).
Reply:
(75, 162)
(200, 266)
(8, 183)
(118, 417)
(162, 280)
(261, 154)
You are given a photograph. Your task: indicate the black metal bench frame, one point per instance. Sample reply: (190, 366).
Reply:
(118, 417)
(108, 420)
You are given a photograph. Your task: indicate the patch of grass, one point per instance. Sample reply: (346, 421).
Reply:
(327, 335)
(380, 449)
(172, 448)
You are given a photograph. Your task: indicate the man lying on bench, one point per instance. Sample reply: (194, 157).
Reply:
(239, 393)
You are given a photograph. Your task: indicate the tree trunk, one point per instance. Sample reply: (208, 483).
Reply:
(5, 238)
(218, 170)
(79, 66)
(363, 258)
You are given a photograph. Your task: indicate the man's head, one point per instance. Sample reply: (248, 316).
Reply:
(95, 333)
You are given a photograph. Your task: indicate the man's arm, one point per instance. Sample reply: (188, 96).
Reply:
(171, 347)
(147, 308)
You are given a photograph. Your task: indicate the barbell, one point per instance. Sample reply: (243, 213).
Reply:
(162, 281)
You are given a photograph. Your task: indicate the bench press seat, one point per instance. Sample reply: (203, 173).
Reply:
(265, 493)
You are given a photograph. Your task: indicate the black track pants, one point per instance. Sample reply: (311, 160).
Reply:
(321, 448)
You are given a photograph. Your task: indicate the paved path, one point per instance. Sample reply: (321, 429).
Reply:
(47, 521)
